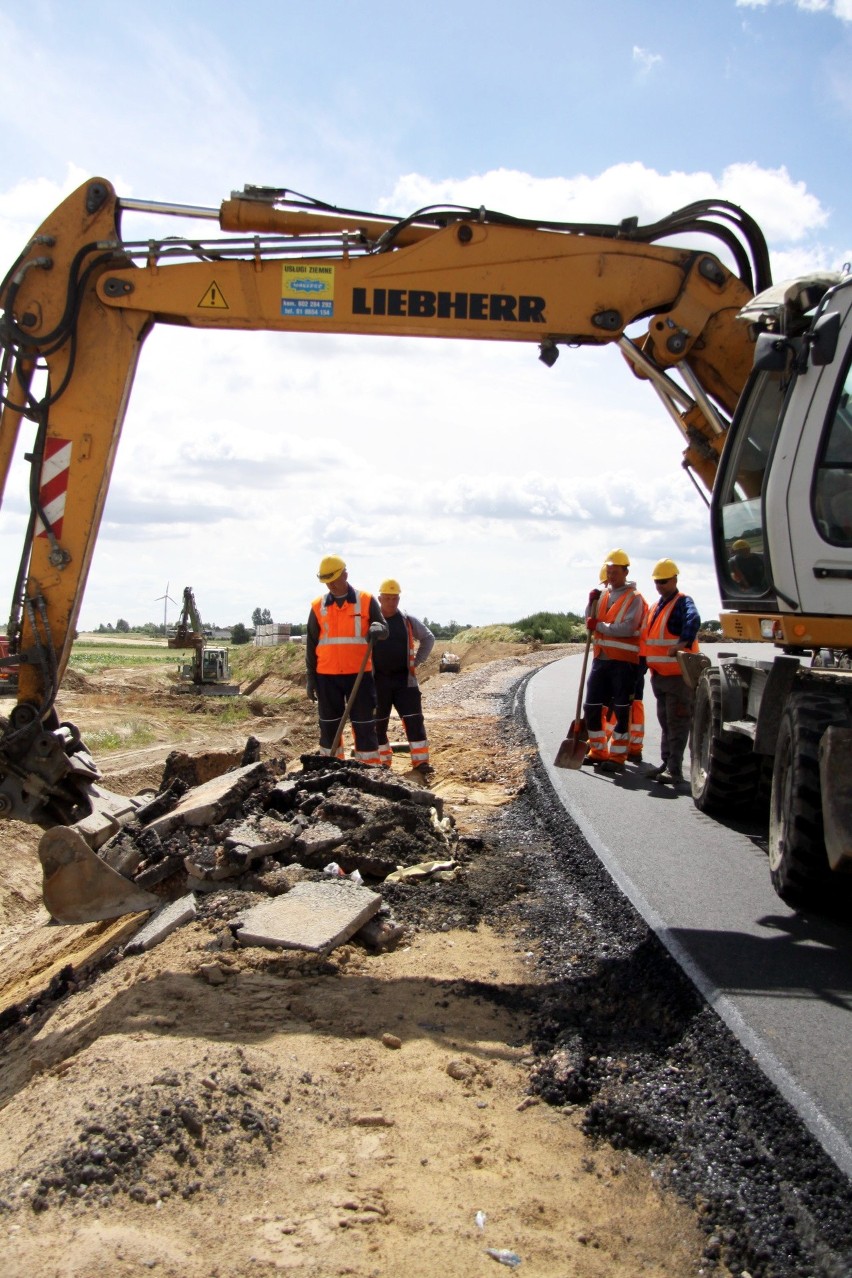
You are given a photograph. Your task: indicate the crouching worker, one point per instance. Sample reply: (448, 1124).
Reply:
(342, 624)
(394, 664)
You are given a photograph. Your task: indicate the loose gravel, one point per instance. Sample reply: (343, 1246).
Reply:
(621, 1033)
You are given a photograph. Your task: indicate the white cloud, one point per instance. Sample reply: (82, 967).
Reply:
(645, 60)
(841, 9)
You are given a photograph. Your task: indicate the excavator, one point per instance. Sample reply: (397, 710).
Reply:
(209, 670)
(756, 378)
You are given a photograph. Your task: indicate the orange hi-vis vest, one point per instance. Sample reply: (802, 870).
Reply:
(343, 630)
(614, 610)
(657, 640)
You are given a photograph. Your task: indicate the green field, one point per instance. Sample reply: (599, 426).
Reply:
(91, 655)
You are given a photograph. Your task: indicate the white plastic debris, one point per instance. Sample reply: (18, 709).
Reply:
(333, 870)
(480, 1219)
(503, 1257)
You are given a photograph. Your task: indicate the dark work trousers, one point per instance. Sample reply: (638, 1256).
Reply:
(393, 693)
(610, 684)
(674, 714)
(332, 694)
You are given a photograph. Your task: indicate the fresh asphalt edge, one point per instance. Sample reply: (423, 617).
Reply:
(833, 1142)
(694, 1101)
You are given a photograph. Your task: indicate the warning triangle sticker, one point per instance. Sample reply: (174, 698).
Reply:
(213, 299)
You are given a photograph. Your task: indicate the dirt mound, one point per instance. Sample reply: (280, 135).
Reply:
(76, 681)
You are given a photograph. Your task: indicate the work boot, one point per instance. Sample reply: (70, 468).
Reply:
(657, 774)
(609, 765)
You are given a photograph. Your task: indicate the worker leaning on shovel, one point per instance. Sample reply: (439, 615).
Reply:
(614, 618)
(343, 625)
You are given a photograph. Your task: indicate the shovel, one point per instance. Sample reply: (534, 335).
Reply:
(573, 747)
(344, 718)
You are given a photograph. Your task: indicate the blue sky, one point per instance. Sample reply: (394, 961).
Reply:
(489, 485)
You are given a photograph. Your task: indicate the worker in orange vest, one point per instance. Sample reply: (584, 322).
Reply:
(636, 717)
(614, 616)
(671, 627)
(342, 625)
(394, 664)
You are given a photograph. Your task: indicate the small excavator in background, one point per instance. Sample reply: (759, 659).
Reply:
(209, 671)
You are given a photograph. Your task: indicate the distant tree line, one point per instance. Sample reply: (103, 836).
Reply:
(545, 627)
(445, 632)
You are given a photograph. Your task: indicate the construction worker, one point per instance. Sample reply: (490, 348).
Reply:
(614, 616)
(394, 664)
(671, 627)
(636, 718)
(343, 624)
(746, 568)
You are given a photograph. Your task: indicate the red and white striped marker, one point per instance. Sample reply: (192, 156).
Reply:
(53, 486)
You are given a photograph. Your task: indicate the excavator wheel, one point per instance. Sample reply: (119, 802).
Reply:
(725, 771)
(798, 864)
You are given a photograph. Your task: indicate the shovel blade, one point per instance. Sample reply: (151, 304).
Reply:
(572, 749)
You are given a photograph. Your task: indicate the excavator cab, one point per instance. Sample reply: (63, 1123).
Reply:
(781, 510)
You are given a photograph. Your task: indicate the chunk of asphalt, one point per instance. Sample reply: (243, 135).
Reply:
(311, 916)
(162, 924)
(209, 803)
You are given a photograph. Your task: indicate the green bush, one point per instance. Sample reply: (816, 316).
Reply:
(551, 627)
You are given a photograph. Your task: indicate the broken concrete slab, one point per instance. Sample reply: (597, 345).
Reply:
(211, 865)
(257, 837)
(210, 803)
(311, 916)
(316, 841)
(162, 924)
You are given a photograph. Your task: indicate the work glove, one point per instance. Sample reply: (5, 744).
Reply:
(594, 596)
(376, 631)
(591, 623)
(312, 686)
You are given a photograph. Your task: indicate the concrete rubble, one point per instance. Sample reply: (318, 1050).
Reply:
(313, 916)
(261, 830)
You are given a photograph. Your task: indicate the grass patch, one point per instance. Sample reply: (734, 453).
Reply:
(284, 659)
(90, 658)
(485, 634)
(122, 736)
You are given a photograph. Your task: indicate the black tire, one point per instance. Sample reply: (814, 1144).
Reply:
(798, 863)
(725, 771)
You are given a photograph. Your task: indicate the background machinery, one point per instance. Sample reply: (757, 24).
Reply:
(210, 669)
(756, 379)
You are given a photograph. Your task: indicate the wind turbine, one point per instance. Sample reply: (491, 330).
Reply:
(167, 599)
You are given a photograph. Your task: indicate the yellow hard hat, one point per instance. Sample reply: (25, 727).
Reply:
(602, 576)
(389, 587)
(618, 557)
(331, 566)
(741, 544)
(663, 569)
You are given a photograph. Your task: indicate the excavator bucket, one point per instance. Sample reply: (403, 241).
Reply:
(81, 888)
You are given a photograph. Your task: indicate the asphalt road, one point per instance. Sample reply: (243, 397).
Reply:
(781, 981)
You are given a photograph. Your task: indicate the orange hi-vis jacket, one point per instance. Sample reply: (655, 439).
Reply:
(343, 630)
(657, 639)
(612, 611)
